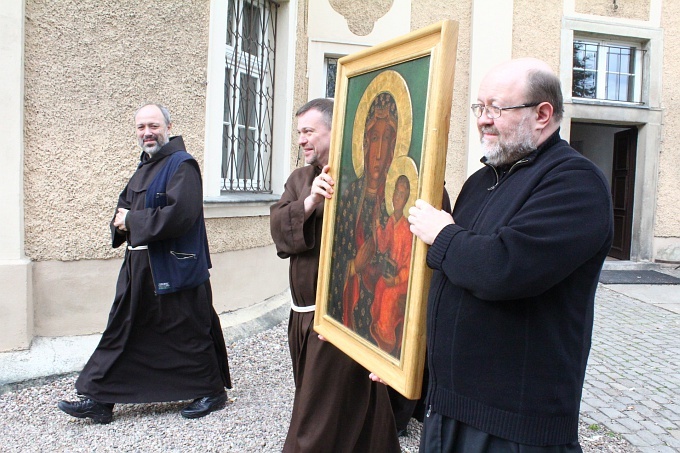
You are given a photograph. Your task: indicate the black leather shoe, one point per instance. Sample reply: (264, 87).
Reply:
(88, 408)
(201, 407)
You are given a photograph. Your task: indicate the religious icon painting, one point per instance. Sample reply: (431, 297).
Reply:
(388, 148)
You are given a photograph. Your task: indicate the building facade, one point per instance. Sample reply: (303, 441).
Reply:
(233, 72)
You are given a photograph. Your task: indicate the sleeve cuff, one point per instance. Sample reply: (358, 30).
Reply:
(437, 251)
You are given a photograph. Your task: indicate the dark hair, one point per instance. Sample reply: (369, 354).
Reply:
(162, 108)
(402, 179)
(544, 86)
(321, 105)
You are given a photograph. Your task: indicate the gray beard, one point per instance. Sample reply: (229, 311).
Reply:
(506, 153)
(162, 141)
(153, 150)
(499, 155)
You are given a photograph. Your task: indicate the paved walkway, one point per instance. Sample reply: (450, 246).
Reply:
(632, 384)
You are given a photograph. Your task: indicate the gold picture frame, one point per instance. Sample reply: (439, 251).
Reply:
(388, 148)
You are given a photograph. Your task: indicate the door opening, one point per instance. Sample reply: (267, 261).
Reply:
(613, 148)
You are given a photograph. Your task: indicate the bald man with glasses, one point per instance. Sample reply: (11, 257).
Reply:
(516, 267)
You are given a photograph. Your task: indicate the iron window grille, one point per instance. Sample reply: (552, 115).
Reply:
(249, 96)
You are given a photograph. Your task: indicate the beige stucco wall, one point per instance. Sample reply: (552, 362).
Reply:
(300, 76)
(628, 9)
(426, 12)
(361, 15)
(668, 199)
(238, 233)
(536, 30)
(60, 310)
(88, 66)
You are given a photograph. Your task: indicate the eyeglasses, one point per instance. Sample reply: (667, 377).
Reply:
(493, 112)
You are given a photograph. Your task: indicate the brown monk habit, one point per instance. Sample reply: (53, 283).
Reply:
(165, 347)
(337, 408)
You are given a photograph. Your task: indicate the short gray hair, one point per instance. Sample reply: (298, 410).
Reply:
(162, 108)
(544, 86)
(321, 105)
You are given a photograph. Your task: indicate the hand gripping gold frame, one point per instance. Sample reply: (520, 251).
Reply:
(439, 42)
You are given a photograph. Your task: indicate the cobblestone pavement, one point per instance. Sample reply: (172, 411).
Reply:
(632, 386)
(631, 397)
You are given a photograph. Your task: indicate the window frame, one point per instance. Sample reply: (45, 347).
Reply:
(651, 37)
(330, 66)
(250, 152)
(244, 204)
(603, 44)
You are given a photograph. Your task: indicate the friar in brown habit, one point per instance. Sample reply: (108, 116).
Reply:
(163, 340)
(337, 408)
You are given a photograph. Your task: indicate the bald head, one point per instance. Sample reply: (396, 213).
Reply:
(522, 66)
(533, 80)
(525, 99)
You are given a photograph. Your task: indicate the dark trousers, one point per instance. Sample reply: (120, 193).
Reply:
(445, 435)
(402, 408)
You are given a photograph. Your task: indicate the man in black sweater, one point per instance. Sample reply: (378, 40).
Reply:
(516, 266)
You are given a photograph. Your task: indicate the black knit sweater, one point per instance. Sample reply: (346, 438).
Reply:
(510, 311)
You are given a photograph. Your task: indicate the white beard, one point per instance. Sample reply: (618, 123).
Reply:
(152, 150)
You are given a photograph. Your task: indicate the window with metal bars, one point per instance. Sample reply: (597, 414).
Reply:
(607, 71)
(249, 96)
(331, 70)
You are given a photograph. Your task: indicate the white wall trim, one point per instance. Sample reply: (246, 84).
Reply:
(490, 44)
(12, 130)
(317, 52)
(16, 303)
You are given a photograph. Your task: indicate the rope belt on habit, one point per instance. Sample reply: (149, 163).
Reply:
(139, 247)
(302, 309)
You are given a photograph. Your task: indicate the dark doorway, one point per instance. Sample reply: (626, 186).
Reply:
(623, 184)
(613, 148)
